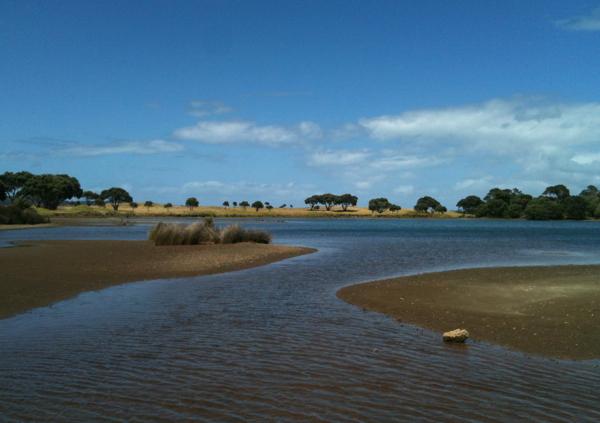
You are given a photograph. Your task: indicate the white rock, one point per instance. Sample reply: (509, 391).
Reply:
(456, 335)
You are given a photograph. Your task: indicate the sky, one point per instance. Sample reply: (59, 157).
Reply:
(279, 100)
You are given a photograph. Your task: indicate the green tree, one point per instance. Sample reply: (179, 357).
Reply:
(591, 195)
(543, 208)
(115, 196)
(312, 201)
(493, 208)
(379, 205)
(225, 204)
(235, 204)
(50, 190)
(257, 205)
(13, 183)
(90, 197)
(168, 206)
(2, 191)
(575, 208)
(328, 200)
(191, 203)
(133, 206)
(244, 204)
(427, 204)
(395, 208)
(557, 192)
(269, 207)
(346, 200)
(148, 204)
(469, 204)
(99, 202)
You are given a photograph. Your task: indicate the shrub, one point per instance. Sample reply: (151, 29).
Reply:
(17, 214)
(204, 233)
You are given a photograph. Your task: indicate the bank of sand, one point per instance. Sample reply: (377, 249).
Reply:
(551, 311)
(39, 273)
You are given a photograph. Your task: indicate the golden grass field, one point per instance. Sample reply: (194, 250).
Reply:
(219, 211)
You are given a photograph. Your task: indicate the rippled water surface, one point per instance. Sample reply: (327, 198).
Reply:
(274, 343)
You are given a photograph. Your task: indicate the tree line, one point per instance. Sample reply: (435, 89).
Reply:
(555, 203)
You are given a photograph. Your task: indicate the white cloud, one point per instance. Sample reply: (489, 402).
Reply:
(498, 126)
(203, 108)
(228, 132)
(586, 158)
(590, 22)
(130, 147)
(474, 183)
(338, 157)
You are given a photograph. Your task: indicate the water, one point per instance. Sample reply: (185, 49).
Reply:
(275, 344)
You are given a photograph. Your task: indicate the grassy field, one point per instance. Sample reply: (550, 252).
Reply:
(215, 211)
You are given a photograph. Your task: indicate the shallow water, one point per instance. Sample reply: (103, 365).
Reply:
(274, 343)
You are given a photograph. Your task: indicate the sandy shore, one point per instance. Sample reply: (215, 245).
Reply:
(551, 311)
(39, 273)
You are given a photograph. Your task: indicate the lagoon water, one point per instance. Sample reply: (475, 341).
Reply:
(275, 344)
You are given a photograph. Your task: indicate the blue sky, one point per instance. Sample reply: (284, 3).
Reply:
(246, 100)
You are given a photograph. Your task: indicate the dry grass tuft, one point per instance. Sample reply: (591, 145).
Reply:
(204, 233)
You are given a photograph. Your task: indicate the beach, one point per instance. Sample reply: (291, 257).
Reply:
(39, 273)
(552, 311)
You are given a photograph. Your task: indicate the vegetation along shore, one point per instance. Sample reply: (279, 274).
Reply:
(552, 311)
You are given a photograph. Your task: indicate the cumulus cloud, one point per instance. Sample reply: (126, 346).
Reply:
(130, 147)
(498, 126)
(229, 132)
(589, 22)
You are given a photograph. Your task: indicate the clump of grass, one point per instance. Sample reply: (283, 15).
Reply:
(235, 233)
(204, 233)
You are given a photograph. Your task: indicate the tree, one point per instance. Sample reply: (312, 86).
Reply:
(543, 208)
(269, 207)
(2, 191)
(557, 192)
(469, 204)
(133, 206)
(50, 190)
(427, 204)
(379, 205)
(346, 200)
(192, 202)
(115, 196)
(244, 204)
(575, 208)
(283, 206)
(440, 209)
(395, 208)
(13, 183)
(99, 202)
(235, 204)
(90, 197)
(492, 208)
(312, 201)
(225, 204)
(168, 206)
(257, 205)
(591, 195)
(328, 200)
(148, 204)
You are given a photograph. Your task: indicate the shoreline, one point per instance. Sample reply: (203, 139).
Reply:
(551, 311)
(40, 273)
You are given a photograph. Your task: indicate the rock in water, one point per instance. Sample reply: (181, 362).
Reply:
(456, 335)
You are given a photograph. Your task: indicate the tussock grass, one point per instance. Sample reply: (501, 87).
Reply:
(204, 232)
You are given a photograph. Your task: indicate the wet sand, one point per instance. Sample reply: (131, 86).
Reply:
(551, 311)
(39, 273)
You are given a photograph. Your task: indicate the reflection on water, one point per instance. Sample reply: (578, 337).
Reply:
(274, 343)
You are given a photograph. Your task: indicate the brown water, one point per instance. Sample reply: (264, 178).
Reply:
(275, 344)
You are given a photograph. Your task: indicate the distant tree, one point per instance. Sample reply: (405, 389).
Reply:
(99, 202)
(90, 197)
(543, 208)
(50, 190)
(225, 204)
(346, 200)
(591, 195)
(575, 208)
(235, 204)
(133, 206)
(2, 191)
(379, 205)
(395, 208)
(499, 194)
(269, 207)
(244, 204)
(596, 213)
(168, 206)
(291, 206)
(492, 208)
(115, 196)
(328, 200)
(148, 204)
(191, 203)
(13, 183)
(257, 205)
(427, 204)
(440, 209)
(469, 204)
(312, 201)
(283, 206)
(557, 192)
